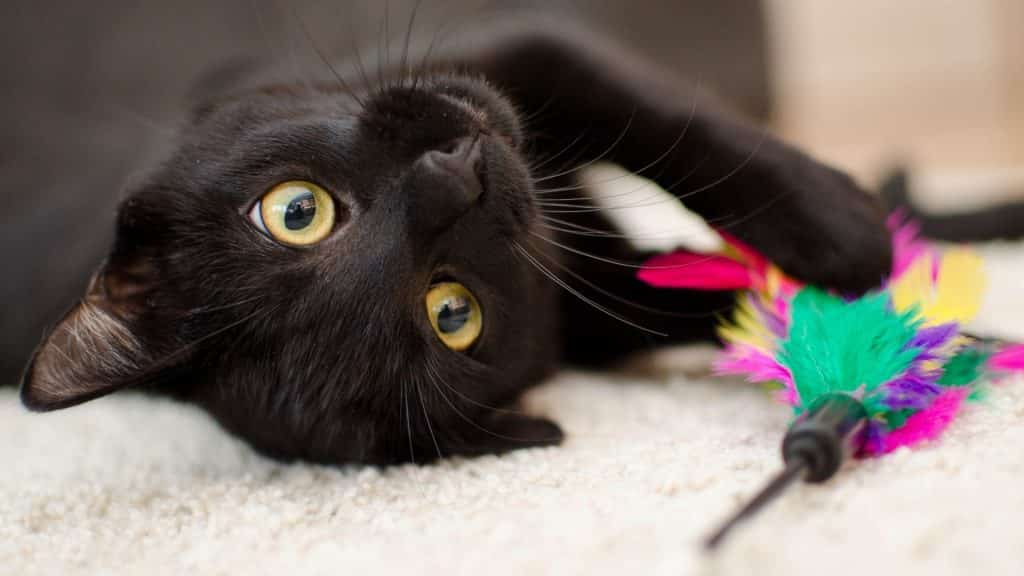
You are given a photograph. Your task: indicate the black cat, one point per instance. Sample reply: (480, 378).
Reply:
(376, 271)
(1004, 221)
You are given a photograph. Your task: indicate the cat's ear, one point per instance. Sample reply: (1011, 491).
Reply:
(98, 346)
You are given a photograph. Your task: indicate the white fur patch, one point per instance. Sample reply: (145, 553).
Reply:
(653, 218)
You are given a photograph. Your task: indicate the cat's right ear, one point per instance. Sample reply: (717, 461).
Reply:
(98, 346)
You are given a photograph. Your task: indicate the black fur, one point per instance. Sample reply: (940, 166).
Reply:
(1000, 222)
(325, 353)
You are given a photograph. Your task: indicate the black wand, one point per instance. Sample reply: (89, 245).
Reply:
(813, 450)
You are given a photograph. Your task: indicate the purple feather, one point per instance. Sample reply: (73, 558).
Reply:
(775, 323)
(874, 438)
(928, 339)
(913, 390)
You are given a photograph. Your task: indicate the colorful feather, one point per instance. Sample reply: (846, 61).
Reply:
(946, 288)
(1009, 359)
(900, 350)
(922, 426)
(700, 272)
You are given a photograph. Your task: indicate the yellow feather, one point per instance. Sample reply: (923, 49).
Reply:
(955, 296)
(745, 328)
(960, 287)
(913, 286)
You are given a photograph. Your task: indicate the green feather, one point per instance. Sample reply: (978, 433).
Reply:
(840, 346)
(897, 418)
(965, 368)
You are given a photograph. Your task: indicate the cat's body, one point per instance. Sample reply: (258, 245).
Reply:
(1003, 221)
(460, 173)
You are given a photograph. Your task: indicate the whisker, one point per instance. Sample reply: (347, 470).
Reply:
(580, 230)
(578, 203)
(208, 309)
(529, 118)
(408, 422)
(172, 356)
(554, 278)
(435, 378)
(634, 190)
(354, 44)
(421, 70)
(632, 303)
(387, 36)
(381, 34)
(583, 202)
(563, 167)
(612, 260)
(323, 58)
(680, 197)
(426, 416)
(300, 75)
(734, 171)
(649, 165)
(440, 35)
(566, 148)
(599, 157)
(408, 37)
(478, 403)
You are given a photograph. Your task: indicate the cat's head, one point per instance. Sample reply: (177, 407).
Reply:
(329, 275)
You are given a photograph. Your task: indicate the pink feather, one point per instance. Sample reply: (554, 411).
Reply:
(1010, 359)
(907, 246)
(927, 424)
(684, 269)
(758, 367)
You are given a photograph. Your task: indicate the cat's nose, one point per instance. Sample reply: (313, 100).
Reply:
(459, 162)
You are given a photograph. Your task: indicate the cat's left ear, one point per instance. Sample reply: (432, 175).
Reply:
(99, 346)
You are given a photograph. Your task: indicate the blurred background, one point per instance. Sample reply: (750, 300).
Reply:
(93, 89)
(938, 83)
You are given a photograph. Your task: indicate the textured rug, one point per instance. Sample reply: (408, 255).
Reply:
(654, 458)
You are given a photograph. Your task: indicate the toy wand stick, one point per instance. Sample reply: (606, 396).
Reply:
(814, 449)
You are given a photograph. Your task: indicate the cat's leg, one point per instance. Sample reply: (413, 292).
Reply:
(581, 92)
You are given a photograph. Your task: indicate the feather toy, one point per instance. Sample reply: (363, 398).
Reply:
(864, 376)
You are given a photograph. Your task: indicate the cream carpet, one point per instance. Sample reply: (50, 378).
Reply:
(135, 485)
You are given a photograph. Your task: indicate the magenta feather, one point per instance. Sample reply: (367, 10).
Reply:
(907, 246)
(757, 367)
(696, 272)
(926, 425)
(1009, 359)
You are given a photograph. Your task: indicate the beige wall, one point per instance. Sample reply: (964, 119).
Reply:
(940, 82)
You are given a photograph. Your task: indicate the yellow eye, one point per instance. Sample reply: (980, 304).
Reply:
(455, 315)
(297, 213)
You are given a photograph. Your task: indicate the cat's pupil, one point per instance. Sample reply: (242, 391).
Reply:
(453, 315)
(300, 212)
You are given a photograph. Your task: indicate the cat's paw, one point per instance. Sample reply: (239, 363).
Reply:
(823, 229)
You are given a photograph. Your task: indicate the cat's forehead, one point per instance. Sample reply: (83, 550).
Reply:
(279, 126)
(259, 118)
(242, 145)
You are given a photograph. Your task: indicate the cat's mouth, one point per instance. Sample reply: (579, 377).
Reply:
(493, 115)
(466, 140)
